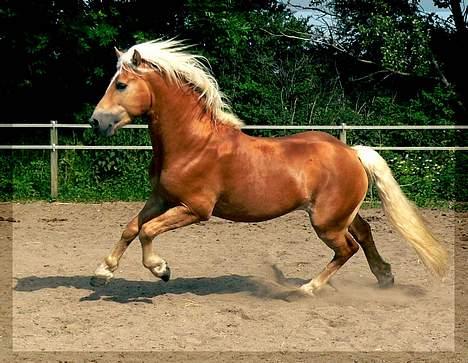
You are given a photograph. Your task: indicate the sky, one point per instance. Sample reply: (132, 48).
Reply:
(427, 6)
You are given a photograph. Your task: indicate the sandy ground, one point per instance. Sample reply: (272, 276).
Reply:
(230, 288)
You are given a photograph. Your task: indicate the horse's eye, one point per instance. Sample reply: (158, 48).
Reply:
(120, 86)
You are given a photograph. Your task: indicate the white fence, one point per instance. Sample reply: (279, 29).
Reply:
(54, 145)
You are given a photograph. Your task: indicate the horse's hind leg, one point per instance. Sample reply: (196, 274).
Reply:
(361, 231)
(344, 246)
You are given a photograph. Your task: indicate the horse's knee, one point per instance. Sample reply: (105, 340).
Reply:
(145, 233)
(131, 231)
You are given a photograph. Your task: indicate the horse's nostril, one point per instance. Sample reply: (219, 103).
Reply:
(93, 122)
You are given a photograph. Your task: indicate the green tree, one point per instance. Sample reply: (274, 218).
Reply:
(395, 39)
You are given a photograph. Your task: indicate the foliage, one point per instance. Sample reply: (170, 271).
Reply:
(423, 175)
(395, 41)
(389, 33)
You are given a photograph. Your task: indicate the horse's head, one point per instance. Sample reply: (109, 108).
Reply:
(128, 96)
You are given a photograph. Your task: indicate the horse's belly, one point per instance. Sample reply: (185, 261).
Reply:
(249, 217)
(254, 205)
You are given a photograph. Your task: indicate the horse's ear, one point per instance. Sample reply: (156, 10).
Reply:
(136, 58)
(118, 53)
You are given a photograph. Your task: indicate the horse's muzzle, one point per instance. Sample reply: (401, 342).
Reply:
(103, 123)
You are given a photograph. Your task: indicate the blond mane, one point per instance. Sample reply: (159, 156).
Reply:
(169, 57)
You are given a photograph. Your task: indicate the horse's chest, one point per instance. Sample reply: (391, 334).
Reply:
(178, 185)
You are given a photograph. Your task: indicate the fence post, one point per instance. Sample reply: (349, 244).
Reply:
(53, 161)
(343, 132)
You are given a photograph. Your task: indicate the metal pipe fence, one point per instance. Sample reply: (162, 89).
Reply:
(54, 145)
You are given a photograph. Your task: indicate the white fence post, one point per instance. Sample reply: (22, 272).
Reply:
(53, 161)
(343, 132)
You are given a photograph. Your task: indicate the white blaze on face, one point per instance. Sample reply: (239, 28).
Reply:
(113, 79)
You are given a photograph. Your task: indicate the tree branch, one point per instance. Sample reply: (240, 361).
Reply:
(370, 75)
(340, 48)
(458, 17)
(313, 8)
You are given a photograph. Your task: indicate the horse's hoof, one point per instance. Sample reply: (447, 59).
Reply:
(386, 282)
(98, 281)
(306, 290)
(161, 271)
(166, 275)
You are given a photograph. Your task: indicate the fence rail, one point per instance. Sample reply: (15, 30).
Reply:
(54, 146)
(262, 127)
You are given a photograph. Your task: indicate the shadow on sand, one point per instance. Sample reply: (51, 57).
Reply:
(274, 286)
(125, 291)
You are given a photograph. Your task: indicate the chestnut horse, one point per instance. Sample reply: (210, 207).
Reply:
(203, 165)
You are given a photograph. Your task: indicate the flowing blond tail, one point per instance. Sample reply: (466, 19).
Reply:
(402, 213)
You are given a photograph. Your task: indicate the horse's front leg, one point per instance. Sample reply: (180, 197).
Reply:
(173, 218)
(105, 271)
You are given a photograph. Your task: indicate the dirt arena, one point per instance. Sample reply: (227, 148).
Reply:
(232, 287)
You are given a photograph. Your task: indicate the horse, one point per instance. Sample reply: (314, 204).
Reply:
(203, 165)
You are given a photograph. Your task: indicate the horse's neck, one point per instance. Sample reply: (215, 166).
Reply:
(173, 137)
(178, 124)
